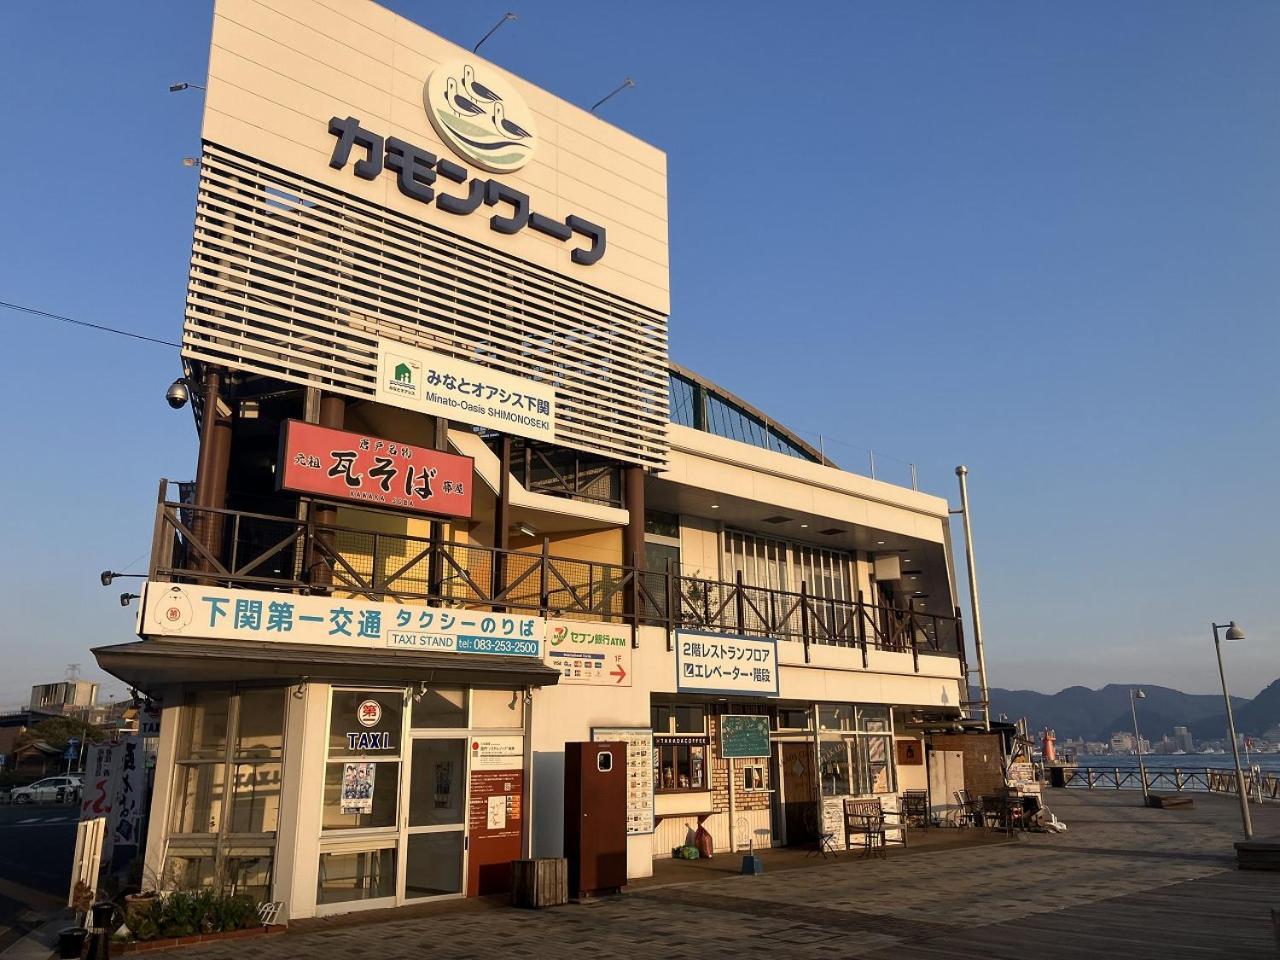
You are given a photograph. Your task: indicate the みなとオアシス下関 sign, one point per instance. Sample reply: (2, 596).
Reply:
(373, 471)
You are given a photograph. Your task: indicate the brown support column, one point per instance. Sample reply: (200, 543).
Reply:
(333, 413)
(211, 468)
(502, 516)
(633, 533)
(435, 563)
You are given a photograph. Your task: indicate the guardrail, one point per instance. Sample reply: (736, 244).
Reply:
(1200, 780)
(235, 548)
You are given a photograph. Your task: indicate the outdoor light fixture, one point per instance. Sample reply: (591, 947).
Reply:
(1234, 633)
(191, 161)
(176, 87)
(506, 17)
(628, 82)
(126, 597)
(1134, 696)
(106, 576)
(527, 529)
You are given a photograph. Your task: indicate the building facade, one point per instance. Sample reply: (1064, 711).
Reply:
(455, 507)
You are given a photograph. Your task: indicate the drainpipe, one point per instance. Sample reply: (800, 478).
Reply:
(963, 472)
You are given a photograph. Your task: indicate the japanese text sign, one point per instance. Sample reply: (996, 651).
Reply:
(216, 613)
(381, 473)
(726, 663)
(595, 654)
(459, 390)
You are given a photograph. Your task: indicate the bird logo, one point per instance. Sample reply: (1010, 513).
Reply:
(480, 116)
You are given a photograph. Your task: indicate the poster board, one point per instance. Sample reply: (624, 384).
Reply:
(639, 741)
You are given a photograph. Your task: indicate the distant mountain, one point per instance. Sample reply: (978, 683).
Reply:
(1096, 714)
(1253, 718)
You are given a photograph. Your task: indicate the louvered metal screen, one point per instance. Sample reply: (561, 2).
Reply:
(296, 280)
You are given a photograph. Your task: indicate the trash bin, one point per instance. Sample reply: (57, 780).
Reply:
(1058, 776)
(71, 942)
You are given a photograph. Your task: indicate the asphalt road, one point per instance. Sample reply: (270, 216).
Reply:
(37, 842)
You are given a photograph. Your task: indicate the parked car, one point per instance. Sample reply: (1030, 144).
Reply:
(48, 790)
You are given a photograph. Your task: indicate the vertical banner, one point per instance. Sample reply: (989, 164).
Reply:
(101, 778)
(127, 791)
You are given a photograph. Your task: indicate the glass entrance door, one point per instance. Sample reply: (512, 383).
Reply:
(435, 805)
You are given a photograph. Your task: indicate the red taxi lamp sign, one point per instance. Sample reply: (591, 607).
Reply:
(369, 470)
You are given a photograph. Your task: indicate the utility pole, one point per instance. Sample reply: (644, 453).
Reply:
(963, 472)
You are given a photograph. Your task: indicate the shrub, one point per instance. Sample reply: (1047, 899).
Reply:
(185, 913)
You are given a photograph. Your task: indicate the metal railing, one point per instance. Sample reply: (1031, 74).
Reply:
(235, 548)
(1199, 780)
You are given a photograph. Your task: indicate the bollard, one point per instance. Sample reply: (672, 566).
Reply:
(71, 942)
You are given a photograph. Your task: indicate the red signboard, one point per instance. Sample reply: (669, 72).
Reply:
(373, 471)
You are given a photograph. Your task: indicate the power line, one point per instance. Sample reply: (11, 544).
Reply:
(85, 323)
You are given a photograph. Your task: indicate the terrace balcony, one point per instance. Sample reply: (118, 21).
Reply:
(245, 550)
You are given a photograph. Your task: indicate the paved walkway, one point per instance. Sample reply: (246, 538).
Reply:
(1125, 881)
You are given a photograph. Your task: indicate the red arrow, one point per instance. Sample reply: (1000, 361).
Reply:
(619, 673)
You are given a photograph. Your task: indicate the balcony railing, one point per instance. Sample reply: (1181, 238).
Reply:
(235, 548)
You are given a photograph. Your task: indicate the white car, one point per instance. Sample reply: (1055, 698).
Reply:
(47, 790)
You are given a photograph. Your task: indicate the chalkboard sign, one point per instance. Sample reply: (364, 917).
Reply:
(744, 736)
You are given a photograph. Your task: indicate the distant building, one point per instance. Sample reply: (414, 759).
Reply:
(1182, 737)
(64, 696)
(1122, 743)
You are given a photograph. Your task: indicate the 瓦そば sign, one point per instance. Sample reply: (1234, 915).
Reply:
(373, 471)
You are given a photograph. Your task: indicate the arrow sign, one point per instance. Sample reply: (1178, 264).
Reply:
(619, 673)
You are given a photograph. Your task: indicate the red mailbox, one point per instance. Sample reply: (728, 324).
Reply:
(595, 817)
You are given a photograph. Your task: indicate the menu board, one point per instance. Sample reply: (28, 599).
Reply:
(639, 741)
(744, 736)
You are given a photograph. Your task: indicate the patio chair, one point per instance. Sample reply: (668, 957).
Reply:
(867, 822)
(824, 841)
(1000, 813)
(915, 808)
(968, 810)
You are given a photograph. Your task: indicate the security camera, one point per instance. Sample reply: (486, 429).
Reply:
(177, 395)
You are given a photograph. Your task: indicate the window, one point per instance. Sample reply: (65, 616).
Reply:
(753, 777)
(679, 763)
(497, 709)
(776, 564)
(669, 718)
(856, 750)
(795, 718)
(362, 775)
(834, 768)
(437, 707)
(356, 875)
(226, 790)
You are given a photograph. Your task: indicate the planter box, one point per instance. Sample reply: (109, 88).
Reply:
(142, 946)
(540, 883)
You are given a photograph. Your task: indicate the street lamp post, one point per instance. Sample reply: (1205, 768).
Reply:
(1134, 696)
(1233, 633)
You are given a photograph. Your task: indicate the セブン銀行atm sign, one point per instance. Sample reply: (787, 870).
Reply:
(372, 471)
(726, 663)
(441, 386)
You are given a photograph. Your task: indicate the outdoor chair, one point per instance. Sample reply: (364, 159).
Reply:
(866, 822)
(824, 841)
(968, 811)
(1000, 813)
(915, 808)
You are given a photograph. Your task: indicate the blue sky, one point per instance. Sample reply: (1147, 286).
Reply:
(1037, 238)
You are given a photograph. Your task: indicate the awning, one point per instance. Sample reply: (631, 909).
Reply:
(153, 663)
